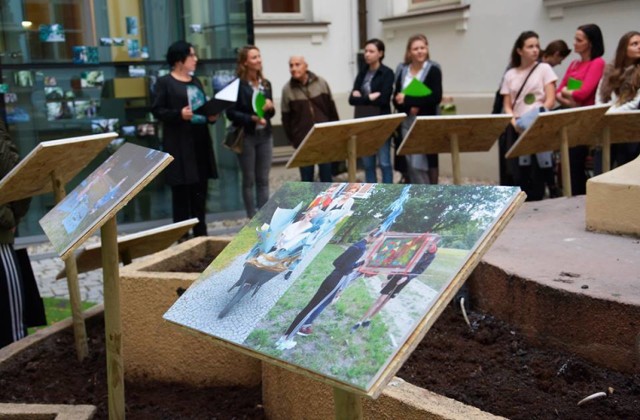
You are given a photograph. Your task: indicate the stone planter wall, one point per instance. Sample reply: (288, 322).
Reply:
(287, 395)
(156, 349)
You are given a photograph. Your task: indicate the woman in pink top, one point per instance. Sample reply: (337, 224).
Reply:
(586, 74)
(529, 87)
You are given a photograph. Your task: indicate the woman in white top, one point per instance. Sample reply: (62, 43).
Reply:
(529, 87)
(620, 87)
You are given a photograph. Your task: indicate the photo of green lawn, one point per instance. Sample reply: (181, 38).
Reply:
(339, 292)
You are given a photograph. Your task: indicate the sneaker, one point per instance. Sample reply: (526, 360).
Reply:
(365, 324)
(355, 327)
(305, 330)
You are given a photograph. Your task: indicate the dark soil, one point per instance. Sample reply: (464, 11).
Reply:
(49, 373)
(494, 369)
(192, 266)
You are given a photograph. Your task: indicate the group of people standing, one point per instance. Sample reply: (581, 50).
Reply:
(306, 100)
(529, 87)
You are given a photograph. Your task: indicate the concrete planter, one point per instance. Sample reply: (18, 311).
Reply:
(155, 349)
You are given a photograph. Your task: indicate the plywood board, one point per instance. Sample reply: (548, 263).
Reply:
(133, 246)
(624, 127)
(32, 176)
(545, 133)
(260, 301)
(432, 134)
(101, 195)
(327, 142)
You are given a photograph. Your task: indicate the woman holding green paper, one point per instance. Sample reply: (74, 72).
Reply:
(418, 90)
(253, 112)
(578, 88)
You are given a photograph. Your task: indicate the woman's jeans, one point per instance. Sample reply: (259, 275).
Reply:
(255, 163)
(384, 159)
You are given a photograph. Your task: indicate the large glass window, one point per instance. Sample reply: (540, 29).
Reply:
(76, 67)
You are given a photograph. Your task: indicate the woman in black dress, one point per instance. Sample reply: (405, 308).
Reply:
(185, 136)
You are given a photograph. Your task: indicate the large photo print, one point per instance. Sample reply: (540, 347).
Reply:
(335, 277)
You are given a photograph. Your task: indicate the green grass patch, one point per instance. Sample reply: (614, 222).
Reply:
(58, 309)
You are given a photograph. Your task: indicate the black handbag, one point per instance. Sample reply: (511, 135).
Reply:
(234, 139)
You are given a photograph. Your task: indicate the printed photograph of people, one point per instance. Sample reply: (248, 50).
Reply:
(98, 194)
(335, 277)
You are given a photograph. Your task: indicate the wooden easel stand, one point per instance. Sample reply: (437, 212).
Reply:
(79, 328)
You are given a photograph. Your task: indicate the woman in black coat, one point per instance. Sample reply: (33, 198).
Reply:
(371, 95)
(185, 136)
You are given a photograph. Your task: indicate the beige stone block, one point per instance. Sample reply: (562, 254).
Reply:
(46, 411)
(613, 199)
(157, 349)
(287, 395)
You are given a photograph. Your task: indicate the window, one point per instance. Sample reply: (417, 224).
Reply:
(281, 9)
(424, 4)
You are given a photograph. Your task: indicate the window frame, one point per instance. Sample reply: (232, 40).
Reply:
(432, 4)
(303, 15)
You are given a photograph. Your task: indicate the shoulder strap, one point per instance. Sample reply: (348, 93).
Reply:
(524, 83)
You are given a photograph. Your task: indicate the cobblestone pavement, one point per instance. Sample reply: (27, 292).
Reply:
(46, 264)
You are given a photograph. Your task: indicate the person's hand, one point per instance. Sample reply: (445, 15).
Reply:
(373, 96)
(400, 98)
(515, 126)
(212, 118)
(258, 120)
(268, 105)
(414, 110)
(356, 94)
(186, 113)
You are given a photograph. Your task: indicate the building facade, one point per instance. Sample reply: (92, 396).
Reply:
(470, 39)
(75, 67)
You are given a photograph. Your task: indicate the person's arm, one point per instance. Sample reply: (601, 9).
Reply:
(269, 108)
(549, 95)
(238, 114)
(355, 97)
(160, 107)
(590, 82)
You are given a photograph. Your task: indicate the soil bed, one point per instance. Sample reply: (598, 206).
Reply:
(494, 369)
(192, 266)
(48, 373)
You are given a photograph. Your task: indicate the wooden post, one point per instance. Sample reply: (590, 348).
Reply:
(352, 158)
(564, 163)
(348, 406)
(606, 149)
(112, 324)
(71, 269)
(455, 158)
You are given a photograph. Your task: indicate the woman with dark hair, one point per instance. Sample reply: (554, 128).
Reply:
(257, 147)
(371, 95)
(555, 52)
(529, 87)
(620, 87)
(585, 74)
(423, 169)
(185, 136)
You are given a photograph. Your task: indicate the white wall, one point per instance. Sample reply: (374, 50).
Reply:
(472, 60)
